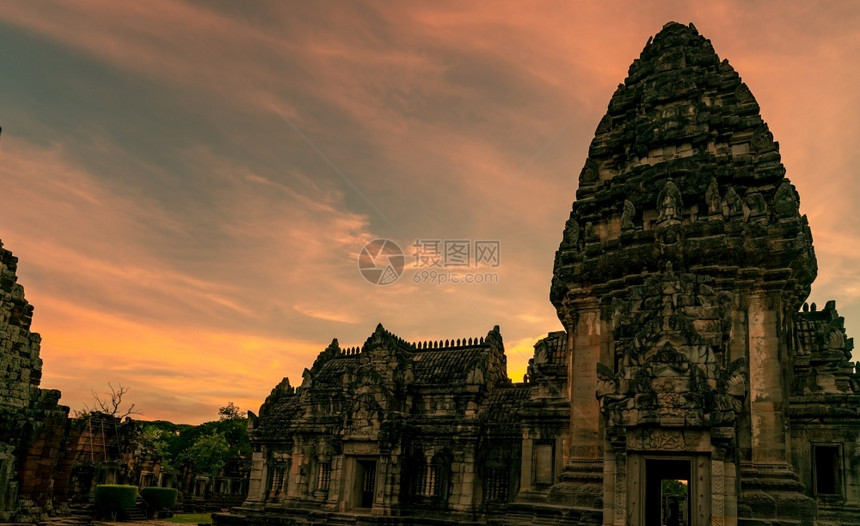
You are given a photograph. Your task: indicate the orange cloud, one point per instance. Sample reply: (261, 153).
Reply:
(202, 265)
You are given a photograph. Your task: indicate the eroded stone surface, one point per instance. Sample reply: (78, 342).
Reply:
(32, 424)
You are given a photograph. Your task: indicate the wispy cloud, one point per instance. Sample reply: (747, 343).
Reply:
(176, 234)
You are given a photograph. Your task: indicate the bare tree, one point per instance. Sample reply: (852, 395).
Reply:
(111, 404)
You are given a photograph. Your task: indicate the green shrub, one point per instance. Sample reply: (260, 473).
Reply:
(160, 498)
(114, 497)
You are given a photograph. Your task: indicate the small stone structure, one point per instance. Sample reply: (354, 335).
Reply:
(389, 425)
(105, 449)
(691, 384)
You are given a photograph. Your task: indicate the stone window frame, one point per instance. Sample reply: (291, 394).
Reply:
(277, 478)
(838, 464)
(323, 476)
(536, 445)
(428, 479)
(497, 483)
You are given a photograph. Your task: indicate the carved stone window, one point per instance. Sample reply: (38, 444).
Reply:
(427, 480)
(543, 463)
(828, 469)
(276, 480)
(324, 476)
(497, 484)
(279, 478)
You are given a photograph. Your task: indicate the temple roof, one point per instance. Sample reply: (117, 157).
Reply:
(388, 365)
(502, 404)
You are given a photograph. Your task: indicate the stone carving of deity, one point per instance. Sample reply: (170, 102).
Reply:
(712, 197)
(627, 215)
(669, 203)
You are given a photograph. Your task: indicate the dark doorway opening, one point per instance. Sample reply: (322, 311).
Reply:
(667, 492)
(827, 473)
(366, 479)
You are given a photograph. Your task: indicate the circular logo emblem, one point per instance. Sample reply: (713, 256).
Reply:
(381, 262)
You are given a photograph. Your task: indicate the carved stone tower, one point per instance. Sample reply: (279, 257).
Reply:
(682, 265)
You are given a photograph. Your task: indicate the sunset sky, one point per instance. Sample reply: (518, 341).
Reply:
(187, 185)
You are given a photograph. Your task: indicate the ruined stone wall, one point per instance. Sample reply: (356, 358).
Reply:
(32, 423)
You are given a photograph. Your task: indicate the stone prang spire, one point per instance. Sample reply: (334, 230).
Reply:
(682, 266)
(682, 171)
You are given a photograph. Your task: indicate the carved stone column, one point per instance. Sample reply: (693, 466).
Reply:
(256, 484)
(581, 482)
(766, 386)
(770, 487)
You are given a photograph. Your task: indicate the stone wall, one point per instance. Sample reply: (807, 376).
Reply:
(32, 423)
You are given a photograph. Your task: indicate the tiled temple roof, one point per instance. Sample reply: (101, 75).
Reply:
(446, 366)
(385, 360)
(278, 417)
(502, 404)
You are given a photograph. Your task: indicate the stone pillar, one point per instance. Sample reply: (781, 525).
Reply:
(381, 487)
(724, 500)
(347, 484)
(387, 486)
(769, 484)
(615, 483)
(766, 386)
(292, 486)
(584, 410)
(463, 478)
(526, 463)
(336, 489)
(582, 479)
(256, 483)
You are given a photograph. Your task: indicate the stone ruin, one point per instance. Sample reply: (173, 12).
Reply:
(688, 359)
(691, 383)
(32, 423)
(50, 464)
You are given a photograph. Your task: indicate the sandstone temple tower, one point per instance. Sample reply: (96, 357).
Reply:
(691, 383)
(683, 267)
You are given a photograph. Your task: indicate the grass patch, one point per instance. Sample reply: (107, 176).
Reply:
(191, 518)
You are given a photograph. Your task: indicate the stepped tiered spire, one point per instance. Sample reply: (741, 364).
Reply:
(683, 171)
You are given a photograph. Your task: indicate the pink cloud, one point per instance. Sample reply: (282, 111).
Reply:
(443, 115)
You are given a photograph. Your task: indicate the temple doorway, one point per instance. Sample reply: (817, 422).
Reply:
(365, 483)
(667, 492)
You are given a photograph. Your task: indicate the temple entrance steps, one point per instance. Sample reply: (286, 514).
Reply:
(545, 515)
(838, 515)
(772, 494)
